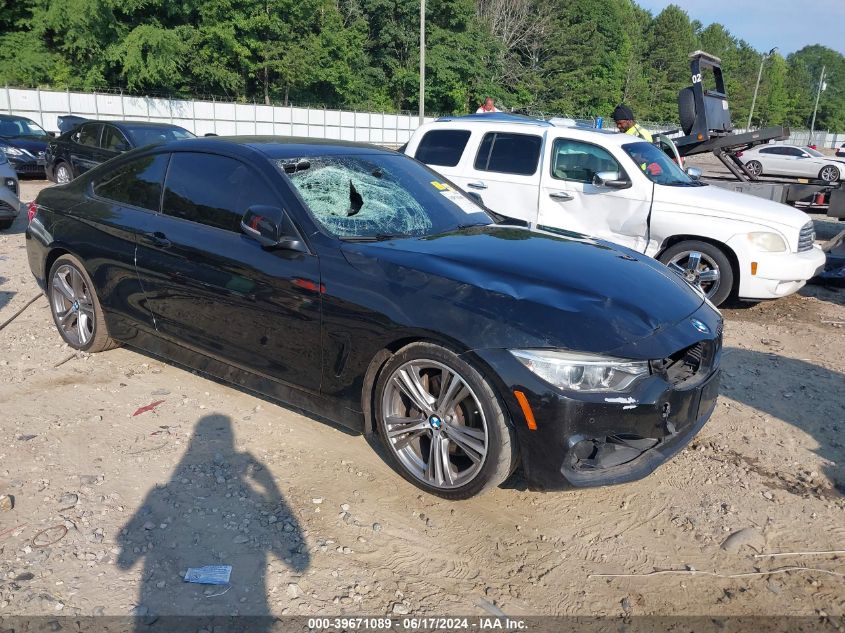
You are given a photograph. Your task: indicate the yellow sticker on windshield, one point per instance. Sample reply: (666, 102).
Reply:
(440, 186)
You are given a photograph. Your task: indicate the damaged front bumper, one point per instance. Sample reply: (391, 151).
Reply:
(591, 439)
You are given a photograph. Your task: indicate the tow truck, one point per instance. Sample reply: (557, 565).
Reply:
(706, 126)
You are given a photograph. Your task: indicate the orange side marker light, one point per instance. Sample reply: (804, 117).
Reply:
(753, 268)
(526, 409)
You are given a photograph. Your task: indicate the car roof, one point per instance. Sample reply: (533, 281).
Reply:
(136, 124)
(14, 117)
(278, 147)
(518, 124)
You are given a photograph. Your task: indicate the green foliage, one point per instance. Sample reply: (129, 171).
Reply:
(573, 57)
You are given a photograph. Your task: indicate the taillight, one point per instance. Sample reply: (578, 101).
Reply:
(31, 210)
(738, 154)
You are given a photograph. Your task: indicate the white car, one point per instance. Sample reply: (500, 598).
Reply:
(791, 160)
(622, 189)
(841, 151)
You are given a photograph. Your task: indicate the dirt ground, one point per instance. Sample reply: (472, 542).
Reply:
(111, 506)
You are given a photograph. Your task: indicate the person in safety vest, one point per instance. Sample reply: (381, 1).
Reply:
(624, 117)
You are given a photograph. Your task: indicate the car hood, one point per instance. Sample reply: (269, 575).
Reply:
(522, 287)
(715, 201)
(32, 145)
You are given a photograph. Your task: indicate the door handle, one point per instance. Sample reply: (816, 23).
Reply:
(476, 185)
(157, 239)
(561, 195)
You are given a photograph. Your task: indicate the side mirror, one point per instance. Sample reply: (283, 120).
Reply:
(76, 136)
(52, 134)
(610, 180)
(694, 173)
(271, 227)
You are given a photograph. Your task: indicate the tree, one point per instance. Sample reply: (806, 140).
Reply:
(671, 39)
(810, 60)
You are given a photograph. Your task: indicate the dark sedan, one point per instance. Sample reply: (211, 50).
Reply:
(356, 283)
(23, 142)
(93, 142)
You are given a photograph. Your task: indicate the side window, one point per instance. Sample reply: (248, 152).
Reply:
(578, 161)
(114, 140)
(509, 153)
(442, 147)
(769, 150)
(90, 135)
(212, 190)
(137, 183)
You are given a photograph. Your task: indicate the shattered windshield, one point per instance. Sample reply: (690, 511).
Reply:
(379, 196)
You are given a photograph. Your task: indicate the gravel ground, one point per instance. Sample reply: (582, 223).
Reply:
(111, 506)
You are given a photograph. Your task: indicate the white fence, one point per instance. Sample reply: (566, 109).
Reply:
(202, 117)
(226, 118)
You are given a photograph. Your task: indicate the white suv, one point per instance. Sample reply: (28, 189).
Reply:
(622, 189)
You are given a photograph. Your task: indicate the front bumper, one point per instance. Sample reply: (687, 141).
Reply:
(777, 274)
(9, 204)
(28, 165)
(585, 440)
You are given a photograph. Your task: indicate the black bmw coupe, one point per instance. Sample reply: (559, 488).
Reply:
(356, 283)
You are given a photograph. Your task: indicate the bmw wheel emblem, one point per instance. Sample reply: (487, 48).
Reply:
(701, 327)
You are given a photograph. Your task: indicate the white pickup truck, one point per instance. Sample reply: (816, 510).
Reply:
(619, 188)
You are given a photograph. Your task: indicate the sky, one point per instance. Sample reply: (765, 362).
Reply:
(788, 24)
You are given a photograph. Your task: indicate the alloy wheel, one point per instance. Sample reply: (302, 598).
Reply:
(70, 300)
(829, 174)
(697, 269)
(435, 424)
(62, 175)
(755, 168)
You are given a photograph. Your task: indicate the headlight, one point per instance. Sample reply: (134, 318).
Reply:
(771, 242)
(582, 372)
(11, 151)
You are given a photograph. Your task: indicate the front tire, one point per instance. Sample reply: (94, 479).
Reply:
(442, 424)
(6, 224)
(63, 173)
(76, 308)
(829, 173)
(704, 264)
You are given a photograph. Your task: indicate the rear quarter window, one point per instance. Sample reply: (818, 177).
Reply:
(508, 153)
(442, 147)
(137, 183)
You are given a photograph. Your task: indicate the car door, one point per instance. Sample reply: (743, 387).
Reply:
(570, 200)
(85, 147)
(215, 290)
(112, 143)
(123, 202)
(806, 165)
(504, 171)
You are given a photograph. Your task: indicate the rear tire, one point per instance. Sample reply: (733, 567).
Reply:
(829, 173)
(6, 224)
(712, 258)
(76, 308)
(453, 408)
(754, 167)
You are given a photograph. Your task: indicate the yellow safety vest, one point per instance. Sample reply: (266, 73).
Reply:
(636, 130)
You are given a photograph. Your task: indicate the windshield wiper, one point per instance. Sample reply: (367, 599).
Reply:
(378, 237)
(460, 227)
